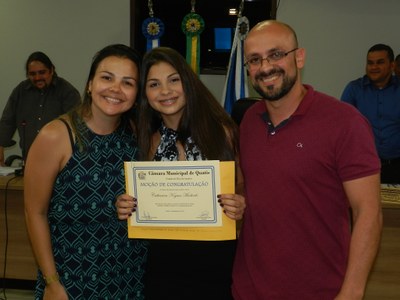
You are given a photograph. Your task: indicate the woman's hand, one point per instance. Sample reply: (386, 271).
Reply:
(233, 205)
(125, 205)
(55, 291)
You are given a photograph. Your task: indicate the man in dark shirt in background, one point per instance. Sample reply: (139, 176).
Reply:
(377, 96)
(35, 101)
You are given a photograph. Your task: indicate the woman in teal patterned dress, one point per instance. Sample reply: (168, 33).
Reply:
(74, 172)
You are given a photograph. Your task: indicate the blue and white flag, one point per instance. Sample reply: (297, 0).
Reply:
(236, 77)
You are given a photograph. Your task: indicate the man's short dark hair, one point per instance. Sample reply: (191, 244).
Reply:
(383, 47)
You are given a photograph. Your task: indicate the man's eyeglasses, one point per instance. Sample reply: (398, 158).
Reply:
(256, 61)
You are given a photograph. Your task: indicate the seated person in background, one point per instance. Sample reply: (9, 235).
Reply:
(34, 102)
(397, 65)
(377, 96)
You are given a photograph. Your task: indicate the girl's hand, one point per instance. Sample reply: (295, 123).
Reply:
(125, 205)
(233, 205)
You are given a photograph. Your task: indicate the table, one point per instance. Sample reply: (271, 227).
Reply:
(384, 280)
(20, 261)
(383, 284)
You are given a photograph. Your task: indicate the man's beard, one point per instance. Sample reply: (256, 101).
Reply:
(270, 94)
(43, 86)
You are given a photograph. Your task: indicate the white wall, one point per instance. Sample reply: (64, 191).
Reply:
(337, 35)
(68, 31)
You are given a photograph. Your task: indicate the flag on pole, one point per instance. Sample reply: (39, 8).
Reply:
(236, 77)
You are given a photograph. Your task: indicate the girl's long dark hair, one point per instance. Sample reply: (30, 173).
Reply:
(203, 119)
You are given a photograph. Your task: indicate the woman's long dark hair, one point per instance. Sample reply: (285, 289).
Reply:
(84, 109)
(203, 118)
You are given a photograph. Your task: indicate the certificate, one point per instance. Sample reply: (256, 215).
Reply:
(178, 200)
(182, 193)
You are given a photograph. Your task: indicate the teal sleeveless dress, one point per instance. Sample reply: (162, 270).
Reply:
(94, 257)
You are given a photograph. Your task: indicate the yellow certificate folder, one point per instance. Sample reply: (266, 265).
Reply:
(227, 231)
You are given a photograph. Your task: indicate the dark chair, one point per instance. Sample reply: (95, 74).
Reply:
(240, 106)
(10, 160)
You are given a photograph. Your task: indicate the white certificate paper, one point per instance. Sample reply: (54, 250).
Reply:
(177, 193)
